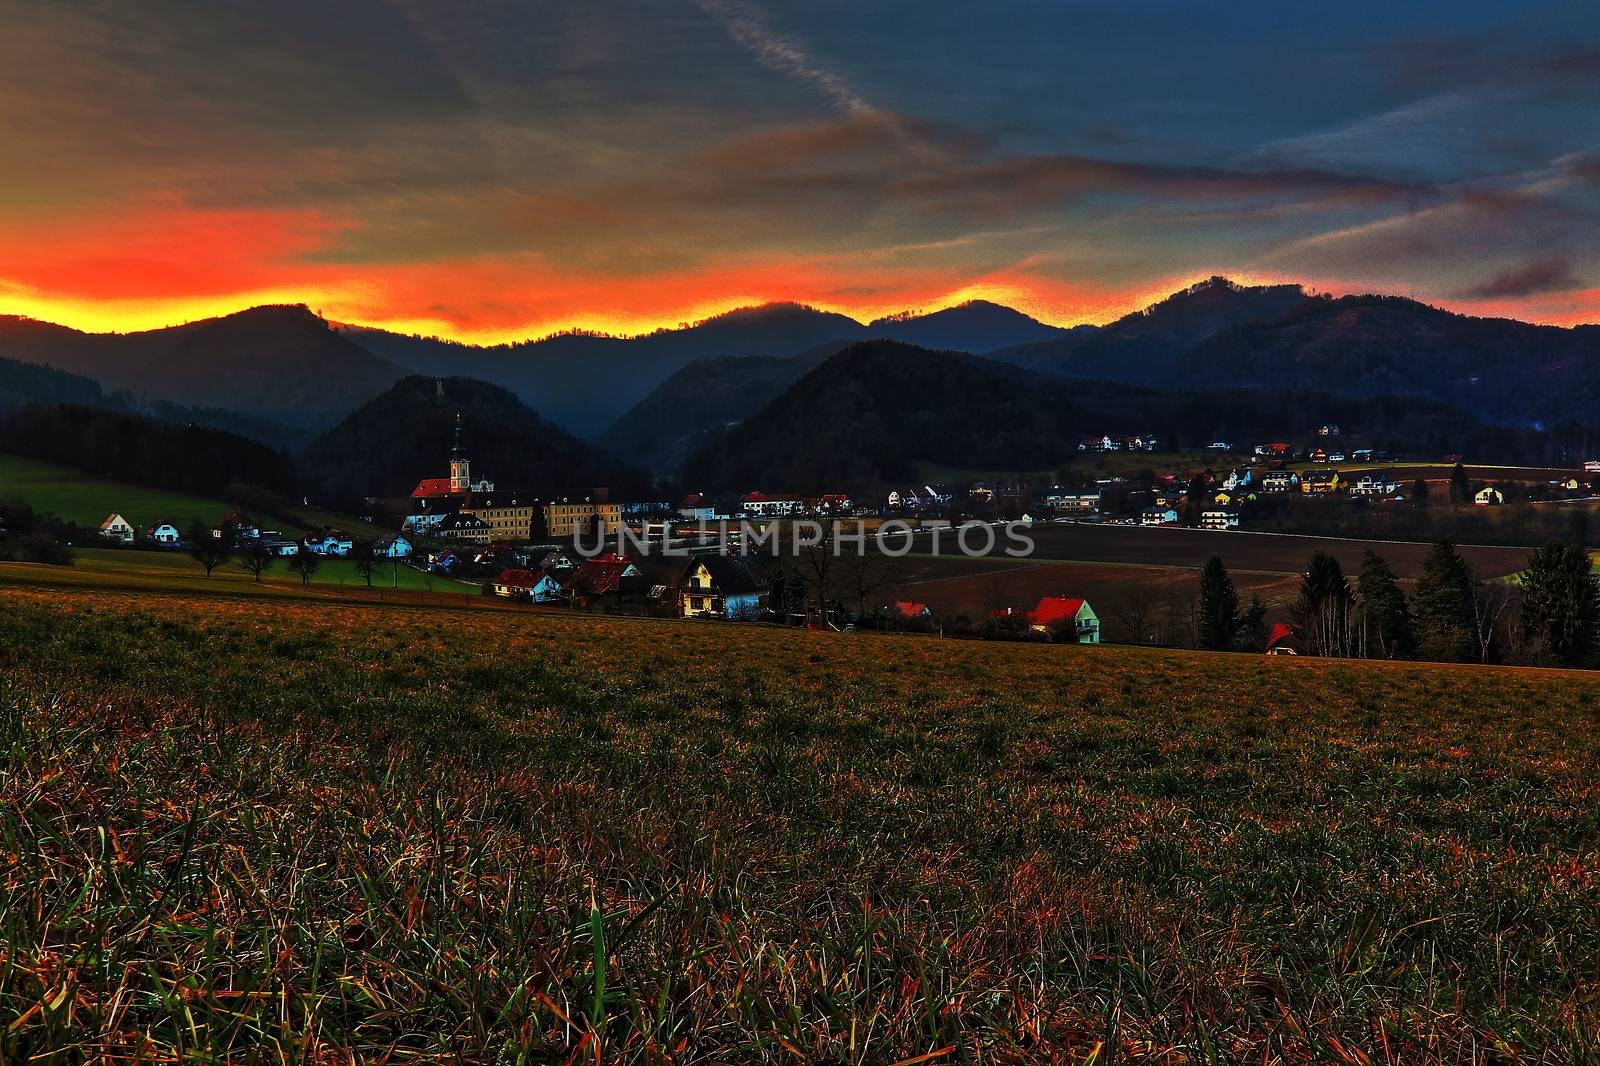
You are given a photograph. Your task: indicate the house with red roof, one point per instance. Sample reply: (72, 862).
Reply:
(1283, 640)
(1064, 614)
(911, 611)
(520, 583)
(594, 581)
(431, 486)
(762, 505)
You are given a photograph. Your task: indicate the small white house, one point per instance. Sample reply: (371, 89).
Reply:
(1158, 516)
(1219, 520)
(117, 528)
(334, 544)
(394, 547)
(164, 533)
(1489, 496)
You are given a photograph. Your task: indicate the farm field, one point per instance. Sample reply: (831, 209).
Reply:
(176, 573)
(1242, 550)
(1113, 590)
(269, 829)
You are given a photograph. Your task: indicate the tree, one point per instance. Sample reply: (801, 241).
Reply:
(1253, 626)
(1446, 616)
(1460, 487)
(1420, 490)
(1490, 599)
(257, 558)
(866, 571)
(366, 560)
(1218, 622)
(1134, 612)
(305, 563)
(1560, 602)
(1323, 610)
(1385, 614)
(207, 550)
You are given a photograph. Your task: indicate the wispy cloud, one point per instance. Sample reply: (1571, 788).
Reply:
(782, 54)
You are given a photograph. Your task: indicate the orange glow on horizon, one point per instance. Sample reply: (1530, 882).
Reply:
(645, 305)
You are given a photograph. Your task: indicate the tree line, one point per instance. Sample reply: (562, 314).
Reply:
(1548, 614)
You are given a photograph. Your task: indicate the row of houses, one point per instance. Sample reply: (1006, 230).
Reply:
(1138, 443)
(238, 531)
(706, 586)
(1052, 614)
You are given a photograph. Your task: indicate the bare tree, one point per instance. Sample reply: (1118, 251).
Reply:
(1181, 614)
(305, 564)
(257, 558)
(1134, 612)
(996, 593)
(1490, 600)
(208, 550)
(865, 572)
(815, 565)
(366, 561)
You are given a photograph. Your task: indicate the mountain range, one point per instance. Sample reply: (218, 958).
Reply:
(876, 412)
(282, 373)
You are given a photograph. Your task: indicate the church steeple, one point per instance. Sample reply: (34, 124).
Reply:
(460, 468)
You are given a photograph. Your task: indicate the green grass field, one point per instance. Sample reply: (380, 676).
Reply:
(177, 570)
(82, 498)
(273, 830)
(87, 500)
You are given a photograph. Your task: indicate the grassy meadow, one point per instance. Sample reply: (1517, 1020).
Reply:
(279, 831)
(85, 499)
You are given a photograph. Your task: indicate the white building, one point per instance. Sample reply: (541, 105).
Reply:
(117, 528)
(1219, 520)
(763, 506)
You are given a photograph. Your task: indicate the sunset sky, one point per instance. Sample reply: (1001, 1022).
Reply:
(496, 169)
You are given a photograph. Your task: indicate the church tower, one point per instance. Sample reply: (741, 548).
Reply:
(460, 469)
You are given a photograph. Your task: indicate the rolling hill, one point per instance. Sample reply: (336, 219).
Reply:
(390, 443)
(22, 383)
(1502, 370)
(282, 363)
(694, 405)
(1143, 346)
(279, 363)
(143, 451)
(870, 413)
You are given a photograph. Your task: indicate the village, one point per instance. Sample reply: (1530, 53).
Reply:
(686, 560)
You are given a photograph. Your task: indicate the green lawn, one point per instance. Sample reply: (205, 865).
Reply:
(175, 570)
(87, 500)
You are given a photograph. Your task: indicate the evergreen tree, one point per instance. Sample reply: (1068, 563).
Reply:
(1460, 487)
(1219, 608)
(1384, 608)
(1253, 626)
(1322, 611)
(1446, 619)
(1560, 605)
